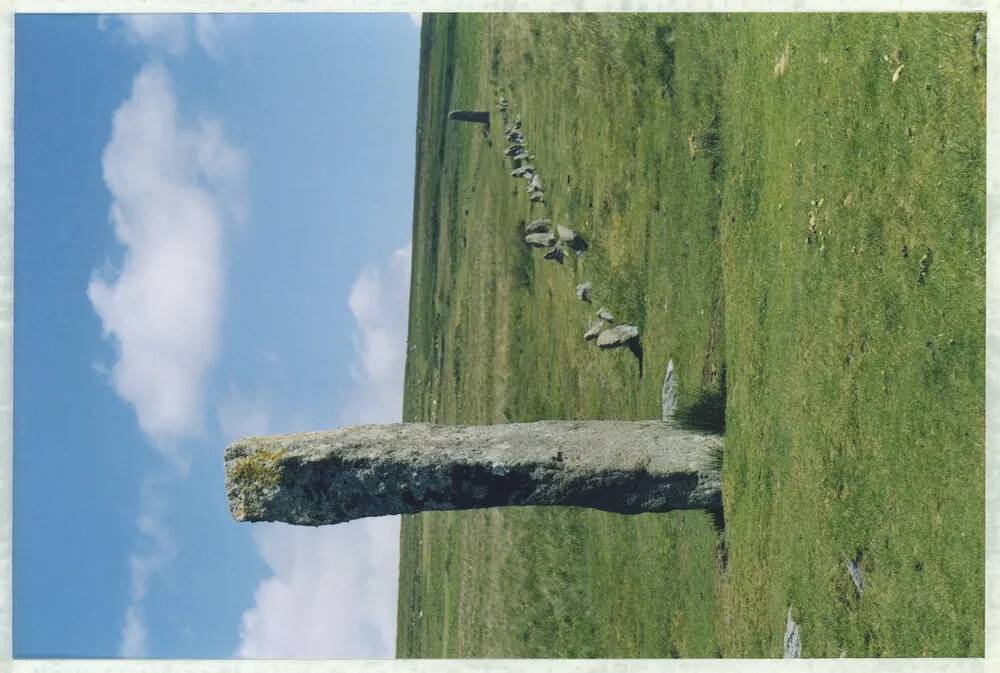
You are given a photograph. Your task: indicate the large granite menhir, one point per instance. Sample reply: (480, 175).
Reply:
(318, 478)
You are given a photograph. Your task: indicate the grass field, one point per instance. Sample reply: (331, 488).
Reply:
(792, 207)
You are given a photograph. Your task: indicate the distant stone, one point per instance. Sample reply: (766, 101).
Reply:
(605, 314)
(524, 156)
(536, 197)
(537, 226)
(583, 292)
(523, 171)
(793, 642)
(540, 240)
(514, 149)
(477, 116)
(536, 184)
(596, 327)
(515, 137)
(616, 337)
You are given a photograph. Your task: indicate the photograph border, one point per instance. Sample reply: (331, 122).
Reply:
(991, 661)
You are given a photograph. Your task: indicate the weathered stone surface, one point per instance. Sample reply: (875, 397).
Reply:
(514, 149)
(319, 478)
(537, 226)
(536, 197)
(523, 156)
(543, 239)
(515, 137)
(595, 328)
(615, 337)
(792, 642)
(583, 291)
(536, 184)
(523, 171)
(477, 116)
(605, 314)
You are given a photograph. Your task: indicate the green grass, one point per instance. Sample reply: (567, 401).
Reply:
(747, 184)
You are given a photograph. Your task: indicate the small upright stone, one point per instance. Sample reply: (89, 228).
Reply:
(605, 314)
(572, 240)
(522, 171)
(514, 149)
(536, 184)
(616, 337)
(583, 292)
(792, 642)
(536, 197)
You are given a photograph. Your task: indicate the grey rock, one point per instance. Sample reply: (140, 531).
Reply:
(792, 642)
(522, 171)
(535, 184)
(536, 197)
(557, 253)
(854, 569)
(515, 137)
(571, 239)
(524, 156)
(583, 292)
(605, 314)
(543, 239)
(596, 327)
(514, 150)
(319, 478)
(618, 336)
(668, 396)
(537, 226)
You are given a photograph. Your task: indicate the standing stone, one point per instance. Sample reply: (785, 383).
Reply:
(557, 253)
(605, 314)
(540, 240)
(522, 171)
(571, 239)
(616, 337)
(854, 570)
(536, 184)
(330, 477)
(478, 117)
(536, 197)
(514, 149)
(583, 292)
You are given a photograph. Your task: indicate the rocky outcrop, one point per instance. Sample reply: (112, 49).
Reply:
(319, 478)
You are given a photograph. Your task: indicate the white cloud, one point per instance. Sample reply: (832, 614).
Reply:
(333, 590)
(379, 302)
(154, 552)
(172, 33)
(332, 595)
(166, 32)
(172, 187)
(417, 18)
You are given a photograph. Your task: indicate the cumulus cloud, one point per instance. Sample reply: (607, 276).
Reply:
(332, 594)
(155, 550)
(172, 188)
(333, 590)
(417, 18)
(379, 302)
(171, 34)
(166, 32)
(240, 415)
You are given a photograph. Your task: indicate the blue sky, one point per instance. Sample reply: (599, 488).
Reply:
(212, 224)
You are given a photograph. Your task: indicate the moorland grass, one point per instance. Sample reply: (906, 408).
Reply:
(798, 230)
